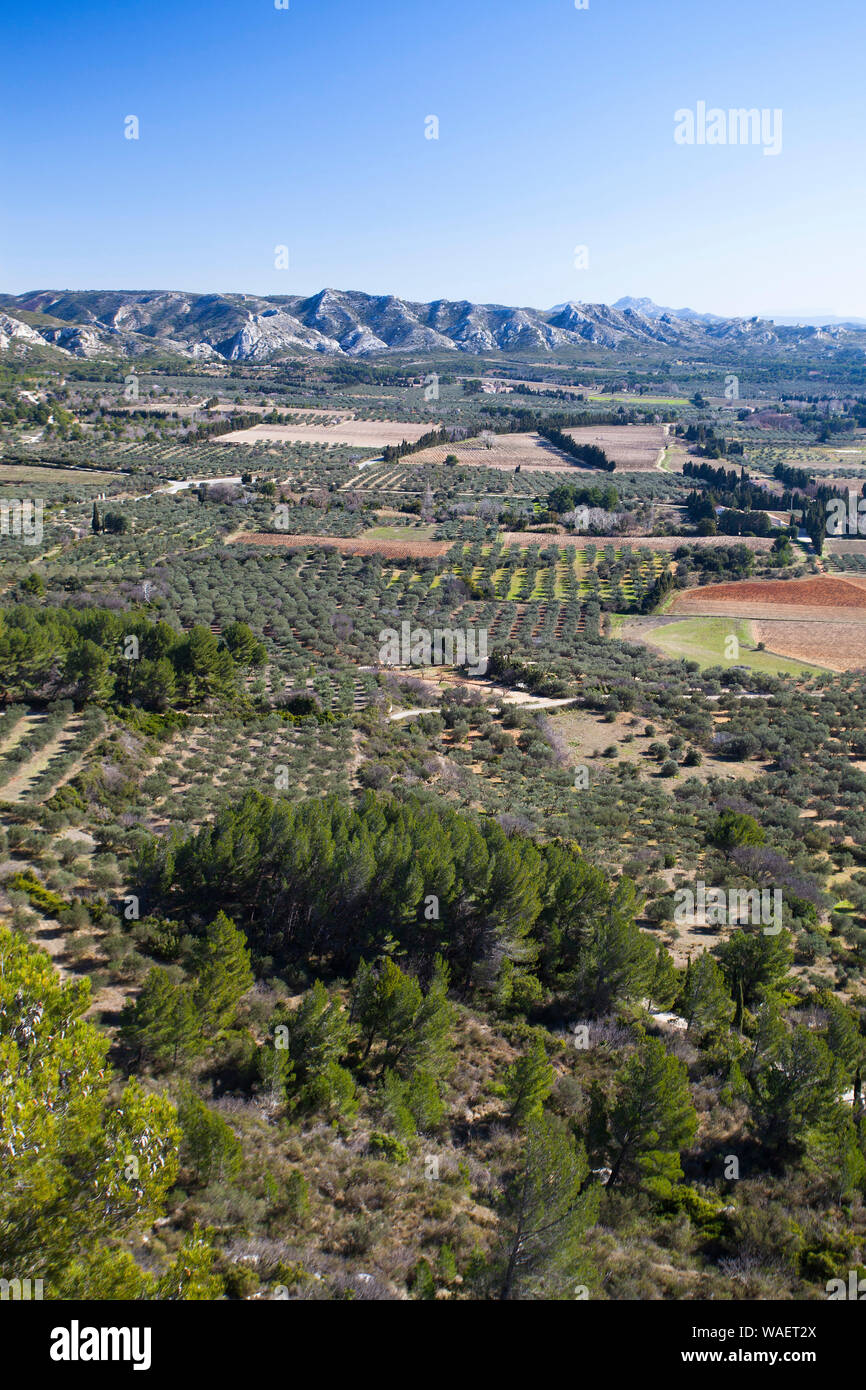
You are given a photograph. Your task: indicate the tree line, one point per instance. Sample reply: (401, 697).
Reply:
(99, 655)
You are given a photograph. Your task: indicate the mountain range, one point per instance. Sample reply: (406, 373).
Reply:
(267, 328)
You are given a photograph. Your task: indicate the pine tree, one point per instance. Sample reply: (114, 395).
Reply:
(796, 1090)
(529, 1081)
(163, 1022)
(190, 1277)
(318, 1033)
(835, 1153)
(275, 1071)
(224, 974)
(652, 1118)
(615, 963)
(705, 1002)
(385, 1003)
(206, 668)
(767, 1033)
(244, 646)
(545, 1216)
(82, 1163)
(753, 961)
(666, 980)
(412, 1029)
(210, 1146)
(332, 1093)
(423, 1283)
(843, 1035)
(395, 1106)
(447, 1264)
(425, 1101)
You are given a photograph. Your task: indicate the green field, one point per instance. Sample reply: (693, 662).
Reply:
(400, 533)
(703, 640)
(641, 400)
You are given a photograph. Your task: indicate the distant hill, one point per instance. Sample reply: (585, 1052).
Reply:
(256, 328)
(821, 321)
(658, 311)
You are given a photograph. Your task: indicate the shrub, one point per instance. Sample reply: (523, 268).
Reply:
(39, 895)
(389, 1148)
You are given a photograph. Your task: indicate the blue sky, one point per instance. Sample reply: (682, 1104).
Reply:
(305, 128)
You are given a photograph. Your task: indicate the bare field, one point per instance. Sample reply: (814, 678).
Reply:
(819, 599)
(659, 543)
(838, 646)
(369, 434)
(351, 545)
(633, 448)
(506, 451)
(565, 539)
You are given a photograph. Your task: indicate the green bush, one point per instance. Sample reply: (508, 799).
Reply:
(387, 1147)
(39, 895)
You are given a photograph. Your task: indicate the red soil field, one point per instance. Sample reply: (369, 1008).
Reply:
(822, 592)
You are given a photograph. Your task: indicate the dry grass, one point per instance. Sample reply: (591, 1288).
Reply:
(506, 451)
(666, 543)
(588, 734)
(350, 545)
(27, 473)
(633, 448)
(838, 646)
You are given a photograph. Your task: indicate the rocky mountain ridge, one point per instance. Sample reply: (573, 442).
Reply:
(266, 328)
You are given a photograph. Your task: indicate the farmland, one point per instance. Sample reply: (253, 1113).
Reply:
(839, 646)
(432, 711)
(799, 623)
(54, 477)
(368, 434)
(358, 545)
(818, 599)
(182, 658)
(508, 451)
(708, 642)
(632, 447)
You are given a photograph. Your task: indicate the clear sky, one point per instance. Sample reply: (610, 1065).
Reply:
(305, 128)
